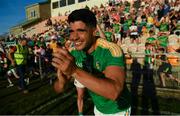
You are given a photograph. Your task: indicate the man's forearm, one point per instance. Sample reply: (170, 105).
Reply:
(99, 85)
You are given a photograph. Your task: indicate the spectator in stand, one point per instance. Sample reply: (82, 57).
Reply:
(164, 26)
(125, 30)
(42, 54)
(109, 34)
(41, 42)
(47, 37)
(165, 70)
(152, 39)
(53, 43)
(166, 8)
(162, 41)
(106, 19)
(150, 22)
(116, 29)
(30, 42)
(174, 18)
(49, 22)
(134, 33)
(36, 59)
(160, 12)
(30, 64)
(149, 56)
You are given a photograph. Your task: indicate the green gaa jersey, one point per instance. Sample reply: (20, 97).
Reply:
(105, 54)
(108, 36)
(125, 26)
(164, 27)
(150, 39)
(148, 59)
(143, 23)
(116, 28)
(163, 41)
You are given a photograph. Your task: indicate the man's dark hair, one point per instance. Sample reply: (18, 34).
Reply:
(83, 15)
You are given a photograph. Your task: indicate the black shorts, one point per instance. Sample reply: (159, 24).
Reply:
(165, 68)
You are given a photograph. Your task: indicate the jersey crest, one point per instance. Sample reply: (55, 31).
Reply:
(97, 65)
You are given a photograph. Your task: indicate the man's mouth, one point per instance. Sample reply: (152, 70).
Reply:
(77, 43)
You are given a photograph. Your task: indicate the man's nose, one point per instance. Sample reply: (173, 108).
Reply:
(74, 37)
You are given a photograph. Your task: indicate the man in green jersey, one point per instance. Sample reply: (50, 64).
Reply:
(152, 39)
(95, 63)
(116, 29)
(149, 91)
(109, 34)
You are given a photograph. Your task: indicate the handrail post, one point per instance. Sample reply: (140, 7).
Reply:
(40, 68)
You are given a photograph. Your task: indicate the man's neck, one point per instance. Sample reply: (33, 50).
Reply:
(92, 48)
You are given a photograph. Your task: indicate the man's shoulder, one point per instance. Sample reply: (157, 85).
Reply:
(114, 49)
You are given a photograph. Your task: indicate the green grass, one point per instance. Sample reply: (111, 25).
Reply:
(43, 100)
(19, 103)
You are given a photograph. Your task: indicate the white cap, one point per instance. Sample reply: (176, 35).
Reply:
(1, 49)
(53, 37)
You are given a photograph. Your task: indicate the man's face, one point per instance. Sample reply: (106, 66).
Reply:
(24, 42)
(81, 35)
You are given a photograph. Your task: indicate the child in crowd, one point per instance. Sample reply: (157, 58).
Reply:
(165, 70)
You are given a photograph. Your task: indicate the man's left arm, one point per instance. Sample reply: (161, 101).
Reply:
(109, 87)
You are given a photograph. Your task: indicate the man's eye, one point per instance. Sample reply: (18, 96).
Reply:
(70, 31)
(81, 30)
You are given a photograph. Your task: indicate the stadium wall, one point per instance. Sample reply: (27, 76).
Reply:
(57, 8)
(38, 10)
(32, 12)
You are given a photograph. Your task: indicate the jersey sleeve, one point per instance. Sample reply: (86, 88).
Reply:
(115, 56)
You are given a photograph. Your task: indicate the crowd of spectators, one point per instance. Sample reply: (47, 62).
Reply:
(146, 31)
(134, 23)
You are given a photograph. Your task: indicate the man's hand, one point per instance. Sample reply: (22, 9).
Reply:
(64, 61)
(60, 83)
